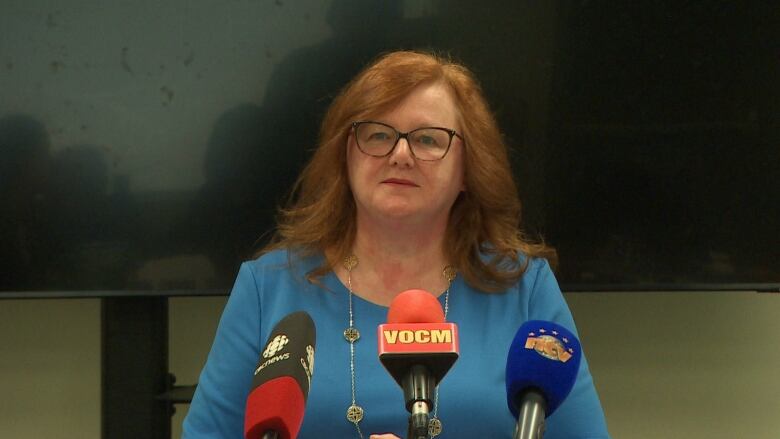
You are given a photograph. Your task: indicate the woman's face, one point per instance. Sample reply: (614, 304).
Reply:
(399, 186)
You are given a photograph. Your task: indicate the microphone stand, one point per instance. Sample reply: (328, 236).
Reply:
(418, 385)
(530, 418)
(418, 421)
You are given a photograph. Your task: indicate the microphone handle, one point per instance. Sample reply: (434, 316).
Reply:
(530, 419)
(271, 434)
(418, 386)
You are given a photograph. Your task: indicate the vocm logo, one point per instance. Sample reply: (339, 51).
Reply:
(419, 336)
(549, 346)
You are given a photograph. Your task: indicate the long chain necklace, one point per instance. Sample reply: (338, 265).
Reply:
(351, 334)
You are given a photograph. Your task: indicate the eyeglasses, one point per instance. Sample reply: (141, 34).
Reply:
(427, 143)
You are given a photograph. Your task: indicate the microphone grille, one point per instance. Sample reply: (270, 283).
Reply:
(415, 306)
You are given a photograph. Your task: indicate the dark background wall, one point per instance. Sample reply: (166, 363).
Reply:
(145, 146)
(122, 120)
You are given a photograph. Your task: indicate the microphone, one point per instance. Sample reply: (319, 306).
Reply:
(275, 405)
(417, 348)
(541, 368)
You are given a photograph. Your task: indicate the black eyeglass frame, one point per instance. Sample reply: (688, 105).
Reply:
(399, 135)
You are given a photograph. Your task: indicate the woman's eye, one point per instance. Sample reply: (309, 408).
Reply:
(379, 136)
(427, 140)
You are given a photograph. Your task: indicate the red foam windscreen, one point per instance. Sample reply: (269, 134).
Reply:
(276, 405)
(415, 306)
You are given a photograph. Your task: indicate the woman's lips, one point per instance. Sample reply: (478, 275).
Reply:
(400, 182)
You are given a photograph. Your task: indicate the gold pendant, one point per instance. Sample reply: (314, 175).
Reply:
(354, 413)
(350, 262)
(449, 273)
(351, 334)
(434, 427)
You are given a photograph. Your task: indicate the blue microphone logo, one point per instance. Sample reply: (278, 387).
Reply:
(548, 345)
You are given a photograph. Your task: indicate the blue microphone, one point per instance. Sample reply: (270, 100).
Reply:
(541, 368)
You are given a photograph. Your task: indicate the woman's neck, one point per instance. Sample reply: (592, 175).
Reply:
(393, 258)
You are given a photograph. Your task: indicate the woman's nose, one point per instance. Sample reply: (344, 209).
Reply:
(402, 153)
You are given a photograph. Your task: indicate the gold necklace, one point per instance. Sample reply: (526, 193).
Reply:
(351, 334)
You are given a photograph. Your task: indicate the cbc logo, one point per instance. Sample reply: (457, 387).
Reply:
(310, 358)
(276, 345)
(308, 363)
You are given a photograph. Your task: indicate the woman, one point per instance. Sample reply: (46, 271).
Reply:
(410, 187)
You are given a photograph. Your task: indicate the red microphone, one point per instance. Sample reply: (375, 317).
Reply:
(418, 348)
(275, 405)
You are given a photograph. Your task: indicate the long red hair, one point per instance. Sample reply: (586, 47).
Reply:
(484, 239)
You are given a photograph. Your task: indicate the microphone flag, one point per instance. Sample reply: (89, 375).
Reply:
(281, 380)
(544, 357)
(415, 333)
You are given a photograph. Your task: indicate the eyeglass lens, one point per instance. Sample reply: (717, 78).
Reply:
(426, 143)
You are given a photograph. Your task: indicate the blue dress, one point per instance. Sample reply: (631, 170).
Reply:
(472, 396)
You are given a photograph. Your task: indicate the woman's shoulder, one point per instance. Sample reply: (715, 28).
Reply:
(273, 257)
(282, 259)
(536, 265)
(536, 274)
(531, 266)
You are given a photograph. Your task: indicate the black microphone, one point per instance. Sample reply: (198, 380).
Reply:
(418, 348)
(541, 368)
(275, 405)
